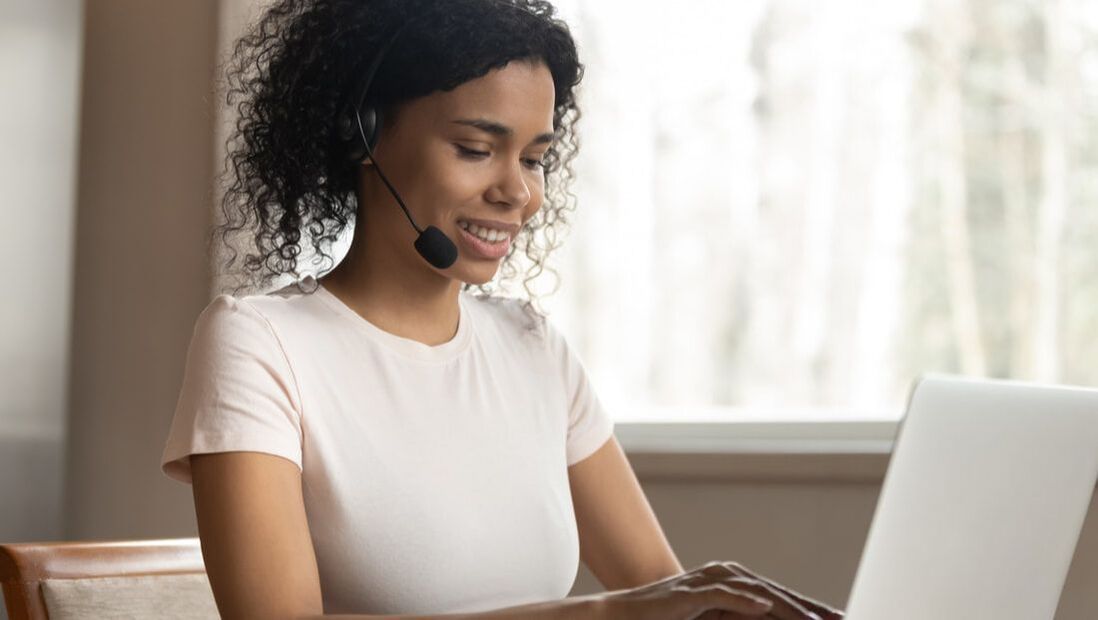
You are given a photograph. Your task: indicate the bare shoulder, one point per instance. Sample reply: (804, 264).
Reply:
(255, 536)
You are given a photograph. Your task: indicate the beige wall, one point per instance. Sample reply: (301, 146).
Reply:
(146, 164)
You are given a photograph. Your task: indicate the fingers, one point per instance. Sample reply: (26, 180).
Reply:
(825, 612)
(786, 607)
(782, 606)
(725, 598)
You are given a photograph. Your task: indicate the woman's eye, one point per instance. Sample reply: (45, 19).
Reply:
(471, 153)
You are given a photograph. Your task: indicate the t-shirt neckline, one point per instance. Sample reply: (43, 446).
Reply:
(398, 344)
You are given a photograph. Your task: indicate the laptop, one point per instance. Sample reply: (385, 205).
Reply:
(982, 504)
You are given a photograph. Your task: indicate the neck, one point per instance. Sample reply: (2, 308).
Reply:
(394, 288)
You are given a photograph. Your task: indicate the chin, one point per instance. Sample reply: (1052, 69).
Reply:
(477, 276)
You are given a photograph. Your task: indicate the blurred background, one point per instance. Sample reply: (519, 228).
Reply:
(787, 210)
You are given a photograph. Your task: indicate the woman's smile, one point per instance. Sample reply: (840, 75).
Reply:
(487, 243)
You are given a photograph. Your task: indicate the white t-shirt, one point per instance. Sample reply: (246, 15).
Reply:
(434, 477)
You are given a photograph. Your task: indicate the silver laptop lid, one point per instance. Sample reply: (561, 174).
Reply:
(982, 503)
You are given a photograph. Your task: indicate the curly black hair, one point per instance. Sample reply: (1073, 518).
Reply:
(298, 68)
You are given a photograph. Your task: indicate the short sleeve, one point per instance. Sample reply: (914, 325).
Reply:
(238, 392)
(589, 424)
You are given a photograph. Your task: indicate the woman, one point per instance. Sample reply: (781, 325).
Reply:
(380, 440)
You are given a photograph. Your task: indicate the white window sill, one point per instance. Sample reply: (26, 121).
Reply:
(837, 451)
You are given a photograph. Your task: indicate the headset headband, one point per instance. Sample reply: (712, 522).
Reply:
(380, 55)
(375, 65)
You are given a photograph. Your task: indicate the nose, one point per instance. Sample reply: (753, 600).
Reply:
(510, 186)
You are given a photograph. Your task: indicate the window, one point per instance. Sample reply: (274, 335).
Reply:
(787, 209)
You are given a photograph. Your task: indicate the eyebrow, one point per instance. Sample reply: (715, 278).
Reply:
(497, 129)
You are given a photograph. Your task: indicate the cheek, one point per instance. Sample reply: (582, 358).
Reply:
(449, 176)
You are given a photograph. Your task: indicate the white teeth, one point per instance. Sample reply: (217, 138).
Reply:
(490, 235)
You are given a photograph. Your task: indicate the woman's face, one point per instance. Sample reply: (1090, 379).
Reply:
(470, 154)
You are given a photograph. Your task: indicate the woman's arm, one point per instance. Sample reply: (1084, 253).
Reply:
(620, 539)
(255, 536)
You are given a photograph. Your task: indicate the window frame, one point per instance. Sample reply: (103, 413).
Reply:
(806, 452)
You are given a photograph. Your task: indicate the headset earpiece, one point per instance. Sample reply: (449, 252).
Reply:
(361, 129)
(371, 125)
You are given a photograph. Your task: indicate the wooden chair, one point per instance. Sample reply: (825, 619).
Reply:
(34, 573)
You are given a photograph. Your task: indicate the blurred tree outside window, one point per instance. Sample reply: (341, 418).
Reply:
(789, 209)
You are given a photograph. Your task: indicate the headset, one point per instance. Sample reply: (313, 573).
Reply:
(366, 119)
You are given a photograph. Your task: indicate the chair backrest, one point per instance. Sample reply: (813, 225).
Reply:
(58, 580)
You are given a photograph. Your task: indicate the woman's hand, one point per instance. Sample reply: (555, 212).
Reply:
(715, 591)
(823, 611)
